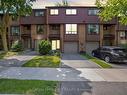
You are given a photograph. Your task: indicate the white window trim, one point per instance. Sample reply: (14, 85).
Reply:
(71, 11)
(54, 11)
(71, 32)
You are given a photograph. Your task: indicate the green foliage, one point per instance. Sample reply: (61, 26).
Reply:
(124, 46)
(63, 3)
(44, 47)
(55, 53)
(16, 46)
(101, 63)
(113, 8)
(43, 61)
(12, 9)
(27, 87)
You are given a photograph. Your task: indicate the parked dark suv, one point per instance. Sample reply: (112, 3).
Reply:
(111, 54)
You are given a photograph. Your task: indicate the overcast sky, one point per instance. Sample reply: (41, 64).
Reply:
(43, 3)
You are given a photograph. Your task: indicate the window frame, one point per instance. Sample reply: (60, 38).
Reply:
(71, 13)
(14, 33)
(54, 14)
(93, 9)
(39, 13)
(37, 26)
(88, 32)
(71, 32)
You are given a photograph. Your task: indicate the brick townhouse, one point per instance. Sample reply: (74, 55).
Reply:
(71, 29)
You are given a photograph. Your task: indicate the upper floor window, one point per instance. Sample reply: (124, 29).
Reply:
(39, 13)
(93, 29)
(71, 28)
(71, 11)
(54, 12)
(40, 29)
(93, 11)
(15, 30)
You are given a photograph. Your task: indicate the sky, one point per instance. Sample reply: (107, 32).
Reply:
(42, 3)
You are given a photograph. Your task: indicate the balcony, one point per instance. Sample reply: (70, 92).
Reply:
(54, 35)
(109, 36)
(25, 35)
(71, 37)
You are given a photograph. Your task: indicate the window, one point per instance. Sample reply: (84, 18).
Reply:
(71, 11)
(122, 34)
(55, 44)
(54, 12)
(93, 29)
(39, 13)
(93, 11)
(71, 28)
(15, 30)
(40, 29)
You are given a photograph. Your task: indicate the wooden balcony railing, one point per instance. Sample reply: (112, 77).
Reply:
(109, 36)
(71, 37)
(54, 35)
(26, 35)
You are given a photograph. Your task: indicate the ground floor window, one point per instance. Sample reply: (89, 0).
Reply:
(15, 30)
(123, 34)
(93, 29)
(55, 44)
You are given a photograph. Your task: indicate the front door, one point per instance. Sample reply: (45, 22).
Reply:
(55, 44)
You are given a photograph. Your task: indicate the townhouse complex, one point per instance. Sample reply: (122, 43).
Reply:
(70, 29)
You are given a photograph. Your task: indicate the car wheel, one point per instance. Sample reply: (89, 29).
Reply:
(93, 54)
(107, 59)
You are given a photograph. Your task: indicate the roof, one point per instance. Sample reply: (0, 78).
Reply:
(71, 7)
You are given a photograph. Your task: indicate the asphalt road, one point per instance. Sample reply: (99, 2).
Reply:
(93, 88)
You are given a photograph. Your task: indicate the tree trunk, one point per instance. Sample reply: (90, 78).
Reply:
(4, 41)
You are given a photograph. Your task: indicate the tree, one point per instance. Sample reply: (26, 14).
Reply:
(63, 3)
(113, 8)
(9, 9)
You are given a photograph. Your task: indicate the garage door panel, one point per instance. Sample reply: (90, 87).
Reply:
(70, 47)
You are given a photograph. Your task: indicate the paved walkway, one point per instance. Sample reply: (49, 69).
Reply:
(65, 74)
(77, 61)
(18, 60)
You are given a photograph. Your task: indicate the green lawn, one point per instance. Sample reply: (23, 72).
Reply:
(8, 54)
(101, 63)
(28, 87)
(43, 61)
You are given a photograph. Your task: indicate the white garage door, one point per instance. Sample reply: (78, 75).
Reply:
(70, 47)
(91, 46)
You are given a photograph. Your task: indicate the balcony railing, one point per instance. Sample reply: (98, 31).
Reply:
(26, 35)
(109, 36)
(54, 35)
(71, 37)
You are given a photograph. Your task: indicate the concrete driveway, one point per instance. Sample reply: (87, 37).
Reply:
(76, 61)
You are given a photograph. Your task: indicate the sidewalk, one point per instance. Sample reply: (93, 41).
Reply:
(17, 60)
(65, 74)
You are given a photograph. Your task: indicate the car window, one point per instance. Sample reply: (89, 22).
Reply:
(119, 50)
(106, 49)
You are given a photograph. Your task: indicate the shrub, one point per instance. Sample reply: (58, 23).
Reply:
(44, 47)
(55, 53)
(124, 46)
(16, 46)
